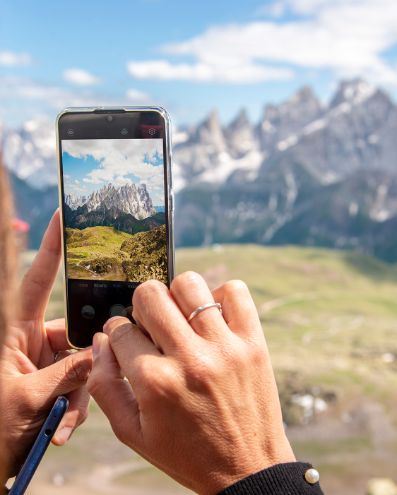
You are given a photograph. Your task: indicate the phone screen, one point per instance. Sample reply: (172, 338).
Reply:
(115, 199)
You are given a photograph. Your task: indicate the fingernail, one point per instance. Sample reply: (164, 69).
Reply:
(96, 345)
(63, 435)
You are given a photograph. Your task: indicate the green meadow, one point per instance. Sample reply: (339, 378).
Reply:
(105, 253)
(93, 248)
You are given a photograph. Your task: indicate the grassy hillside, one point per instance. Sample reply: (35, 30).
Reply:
(95, 252)
(330, 319)
(107, 253)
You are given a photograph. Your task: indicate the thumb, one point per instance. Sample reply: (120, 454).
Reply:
(59, 378)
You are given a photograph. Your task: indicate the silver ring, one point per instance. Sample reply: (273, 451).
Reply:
(203, 308)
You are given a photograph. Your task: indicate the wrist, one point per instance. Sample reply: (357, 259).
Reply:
(247, 463)
(277, 480)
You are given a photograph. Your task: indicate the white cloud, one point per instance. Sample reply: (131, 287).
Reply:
(45, 97)
(23, 98)
(80, 77)
(206, 72)
(10, 59)
(347, 37)
(135, 95)
(119, 159)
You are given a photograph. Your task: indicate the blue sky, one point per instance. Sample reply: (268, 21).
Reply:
(190, 56)
(90, 164)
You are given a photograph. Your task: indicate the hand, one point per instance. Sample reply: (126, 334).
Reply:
(30, 378)
(201, 402)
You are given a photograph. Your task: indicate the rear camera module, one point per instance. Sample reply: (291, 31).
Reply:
(124, 131)
(109, 118)
(70, 132)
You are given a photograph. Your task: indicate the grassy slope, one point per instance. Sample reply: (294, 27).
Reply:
(91, 244)
(329, 318)
(107, 253)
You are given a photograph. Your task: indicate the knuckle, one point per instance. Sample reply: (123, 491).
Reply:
(164, 385)
(185, 279)
(235, 355)
(118, 333)
(158, 382)
(147, 290)
(75, 369)
(122, 433)
(235, 285)
(29, 400)
(257, 354)
(202, 369)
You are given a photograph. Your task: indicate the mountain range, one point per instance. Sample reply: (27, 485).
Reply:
(307, 173)
(128, 198)
(128, 208)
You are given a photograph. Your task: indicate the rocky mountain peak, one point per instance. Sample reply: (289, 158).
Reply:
(241, 120)
(210, 132)
(304, 96)
(127, 198)
(353, 91)
(239, 134)
(288, 118)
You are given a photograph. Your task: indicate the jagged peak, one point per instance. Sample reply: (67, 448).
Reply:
(303, 95)
(240, 120)
(354, 91)
(211, 121)
(304, 98)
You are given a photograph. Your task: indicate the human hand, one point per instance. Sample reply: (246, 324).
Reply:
(31, 378)
(201, 402)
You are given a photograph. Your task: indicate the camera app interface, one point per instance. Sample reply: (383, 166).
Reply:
(114, 209)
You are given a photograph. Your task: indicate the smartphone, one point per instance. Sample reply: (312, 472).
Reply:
(116, 205)
(40, 446)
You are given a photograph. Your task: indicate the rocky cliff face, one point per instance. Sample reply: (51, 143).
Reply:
(128, 198)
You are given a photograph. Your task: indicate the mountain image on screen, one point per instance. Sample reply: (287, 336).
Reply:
(115, 233)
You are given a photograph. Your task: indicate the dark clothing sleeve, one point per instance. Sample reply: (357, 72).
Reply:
(281, 479)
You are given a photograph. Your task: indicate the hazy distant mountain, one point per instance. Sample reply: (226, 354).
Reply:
(306, 173)
(281, 122)
(128, 198)
(327, 176)
(31, 152)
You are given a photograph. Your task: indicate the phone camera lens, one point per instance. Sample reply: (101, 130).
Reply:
(70, 132)
(109, 118)
(124, 131)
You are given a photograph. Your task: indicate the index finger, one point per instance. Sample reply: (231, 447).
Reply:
(38, 281)
(161, 317)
